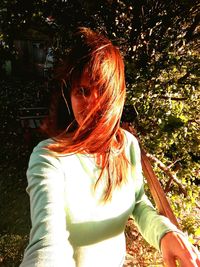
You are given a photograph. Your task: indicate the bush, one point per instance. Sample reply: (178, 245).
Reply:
(11, 249)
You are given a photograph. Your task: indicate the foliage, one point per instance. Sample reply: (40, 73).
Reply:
(15, 151)
(139, 253)
(11, 249)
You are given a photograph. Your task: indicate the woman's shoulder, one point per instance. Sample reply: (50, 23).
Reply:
(42, 157)
(130, 138)
(132, 147)
(45, 142)
(42, 150)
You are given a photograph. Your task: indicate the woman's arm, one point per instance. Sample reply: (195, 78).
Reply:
(157, 229)
(48, 245)
(151, 225)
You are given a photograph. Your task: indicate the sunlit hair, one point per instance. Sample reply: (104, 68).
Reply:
(100, 133)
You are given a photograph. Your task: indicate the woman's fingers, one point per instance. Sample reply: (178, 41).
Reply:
(170, 262)
(181, 263)
(181, 249)
(197, 255)
(190, 260)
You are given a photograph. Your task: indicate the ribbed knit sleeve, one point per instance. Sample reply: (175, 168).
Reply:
(48, 245)
(151, 225)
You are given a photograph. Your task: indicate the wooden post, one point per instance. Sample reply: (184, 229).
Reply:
(156, 190)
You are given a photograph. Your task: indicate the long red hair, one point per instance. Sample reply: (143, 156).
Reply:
(101, 134)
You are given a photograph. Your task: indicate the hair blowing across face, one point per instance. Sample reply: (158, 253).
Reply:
(100, 133)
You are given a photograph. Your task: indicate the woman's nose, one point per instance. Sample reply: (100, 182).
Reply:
(95, 95)
(92, 99)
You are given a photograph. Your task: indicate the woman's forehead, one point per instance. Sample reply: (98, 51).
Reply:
(84, 79)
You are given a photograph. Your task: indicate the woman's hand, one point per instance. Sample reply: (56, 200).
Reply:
(176, 248)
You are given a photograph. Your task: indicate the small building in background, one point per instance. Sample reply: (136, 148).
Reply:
(31, 53)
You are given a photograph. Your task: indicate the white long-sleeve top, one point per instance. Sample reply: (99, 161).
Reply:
(71, 226)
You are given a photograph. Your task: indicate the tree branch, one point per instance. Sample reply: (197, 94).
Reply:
(190, 30)
(166, 169)
(173, 98)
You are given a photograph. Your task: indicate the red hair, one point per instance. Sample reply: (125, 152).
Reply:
(102, 134)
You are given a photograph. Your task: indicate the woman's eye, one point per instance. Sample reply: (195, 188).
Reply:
(83, 91)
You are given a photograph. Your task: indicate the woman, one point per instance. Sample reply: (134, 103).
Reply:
(85, 182)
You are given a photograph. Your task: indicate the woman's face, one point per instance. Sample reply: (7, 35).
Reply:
(83, 98)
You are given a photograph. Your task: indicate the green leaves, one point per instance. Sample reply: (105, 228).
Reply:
(172, 123)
